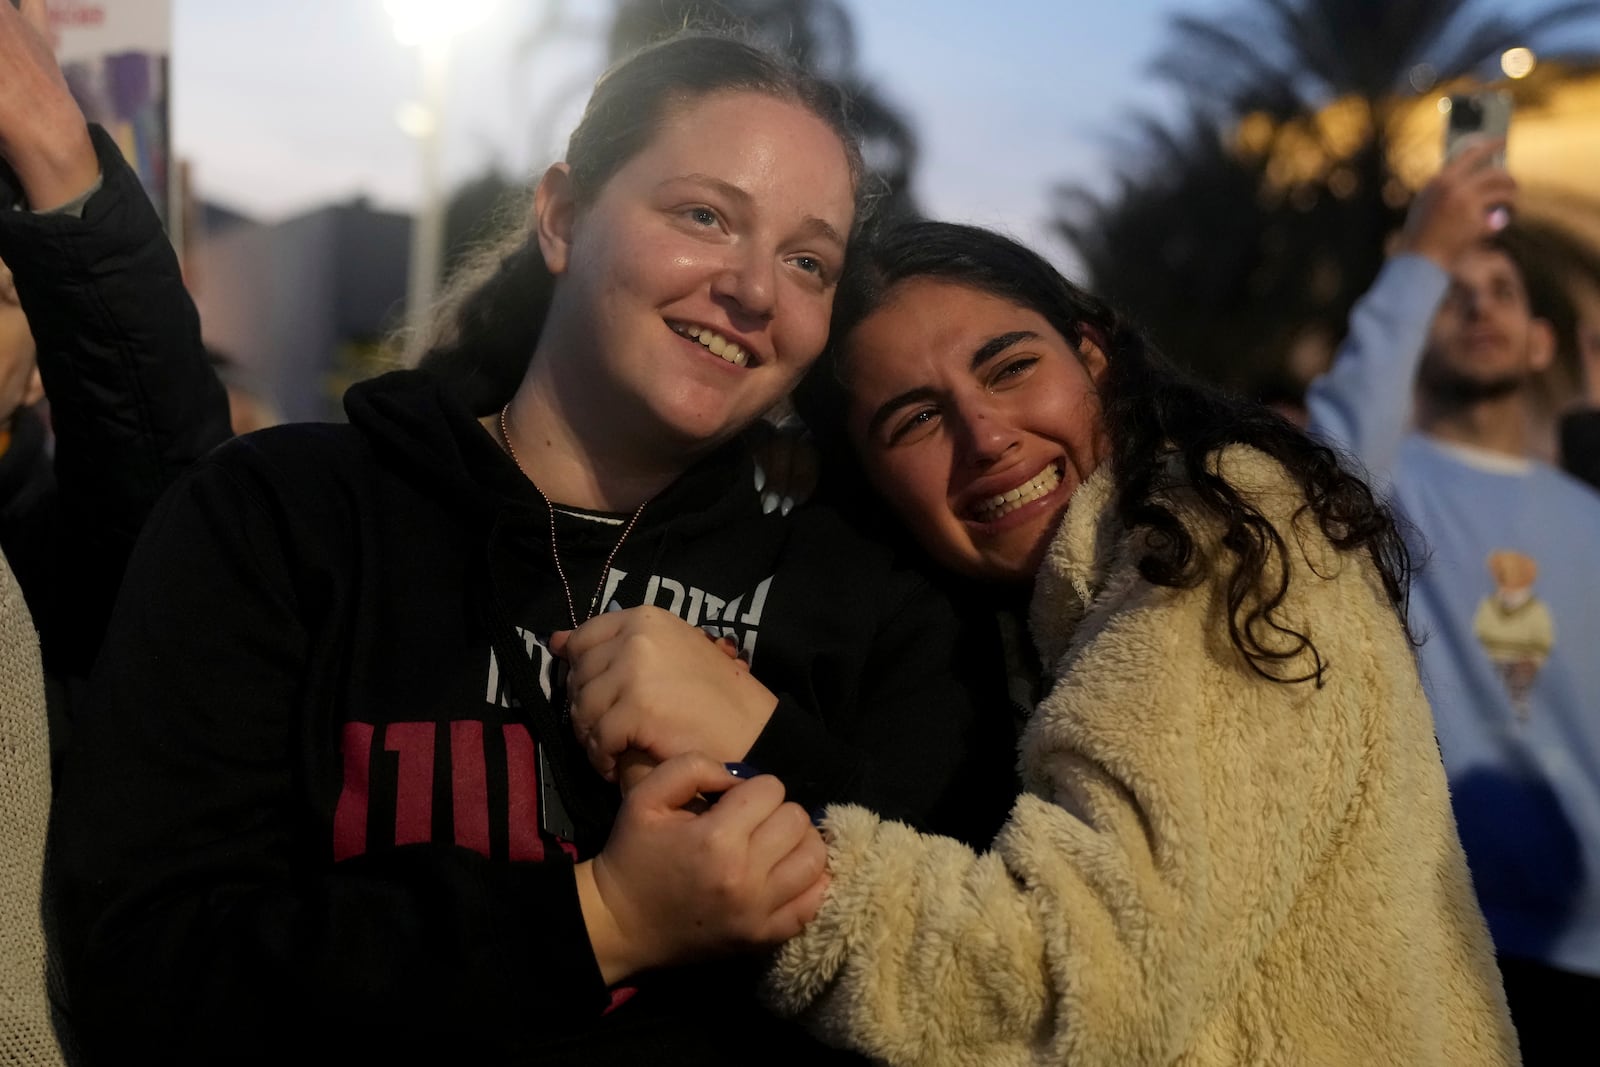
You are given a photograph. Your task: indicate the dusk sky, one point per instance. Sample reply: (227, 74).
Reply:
(284, 106)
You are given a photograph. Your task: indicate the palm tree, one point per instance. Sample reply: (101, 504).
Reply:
(1257, 220)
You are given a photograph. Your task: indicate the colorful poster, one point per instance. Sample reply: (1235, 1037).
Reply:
(115, 56)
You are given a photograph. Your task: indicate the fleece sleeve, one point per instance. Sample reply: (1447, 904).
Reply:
(200, 923)
(1363, 403)
(133, 399)
(1166, 835)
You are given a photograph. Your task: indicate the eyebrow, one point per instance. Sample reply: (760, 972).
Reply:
(983, 354)
(810, 226)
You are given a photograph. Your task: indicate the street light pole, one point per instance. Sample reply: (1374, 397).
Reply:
(427, 227)
(430, 26)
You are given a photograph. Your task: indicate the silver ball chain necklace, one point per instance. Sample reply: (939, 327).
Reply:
(555, 552)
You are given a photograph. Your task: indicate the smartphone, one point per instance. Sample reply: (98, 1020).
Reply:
(1474, 117)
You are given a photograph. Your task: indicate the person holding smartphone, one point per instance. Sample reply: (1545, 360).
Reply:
(1430, 392)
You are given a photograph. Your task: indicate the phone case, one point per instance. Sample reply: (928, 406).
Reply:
(1474, 116)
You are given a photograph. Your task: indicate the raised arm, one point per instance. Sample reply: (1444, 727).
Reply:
(42, 134)
(133, 400)
(1363, 404)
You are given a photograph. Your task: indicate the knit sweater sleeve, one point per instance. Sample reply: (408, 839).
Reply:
(202, 925)
(1176, 804)
(25, 1032)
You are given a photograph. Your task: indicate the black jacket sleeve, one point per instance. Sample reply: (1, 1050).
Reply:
(929, 738)
(200, 923)
(133, 399)
(1580, 445)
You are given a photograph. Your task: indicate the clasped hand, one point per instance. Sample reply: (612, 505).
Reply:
(645, 686)
(672, 886)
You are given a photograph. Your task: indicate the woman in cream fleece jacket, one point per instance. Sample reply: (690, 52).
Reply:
(1234, 843)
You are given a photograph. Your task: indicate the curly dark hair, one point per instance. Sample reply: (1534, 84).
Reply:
(1164, 427)
(486, 326)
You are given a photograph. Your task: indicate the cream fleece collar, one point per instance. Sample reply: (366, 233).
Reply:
(1076, 565)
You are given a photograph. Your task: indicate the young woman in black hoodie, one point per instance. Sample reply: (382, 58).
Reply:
(329, 804)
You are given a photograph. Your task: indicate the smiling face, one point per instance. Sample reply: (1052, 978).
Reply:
(1485, 340)
(695, 287)
(976, 420)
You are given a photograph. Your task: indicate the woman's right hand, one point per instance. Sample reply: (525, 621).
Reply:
(42, 131)
(672, 886)
(1456, 209)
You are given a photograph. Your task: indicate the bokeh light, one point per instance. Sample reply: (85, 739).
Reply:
(1517, 62)
(420, 21)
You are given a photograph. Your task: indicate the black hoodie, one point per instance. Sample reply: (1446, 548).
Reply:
(306, 819)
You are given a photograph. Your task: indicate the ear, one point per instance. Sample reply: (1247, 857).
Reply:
(1091, 350)
(1541, 346)
(35, 391)
(555, 211)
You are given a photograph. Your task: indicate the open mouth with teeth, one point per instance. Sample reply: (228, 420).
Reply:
(717, 344)
(999, 506)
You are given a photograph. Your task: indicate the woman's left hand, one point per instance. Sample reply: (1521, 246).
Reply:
(644, 680)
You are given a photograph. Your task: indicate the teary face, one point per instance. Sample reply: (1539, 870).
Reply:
(976, 420)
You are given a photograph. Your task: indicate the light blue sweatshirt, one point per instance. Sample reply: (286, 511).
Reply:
(1508, 602)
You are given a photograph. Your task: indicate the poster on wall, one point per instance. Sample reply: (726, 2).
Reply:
(115, 55)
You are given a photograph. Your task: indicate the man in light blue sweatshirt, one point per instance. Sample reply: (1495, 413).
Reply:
(1430, 393)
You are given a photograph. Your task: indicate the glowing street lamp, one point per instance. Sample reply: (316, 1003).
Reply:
(1518, 62)
(429, 26)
